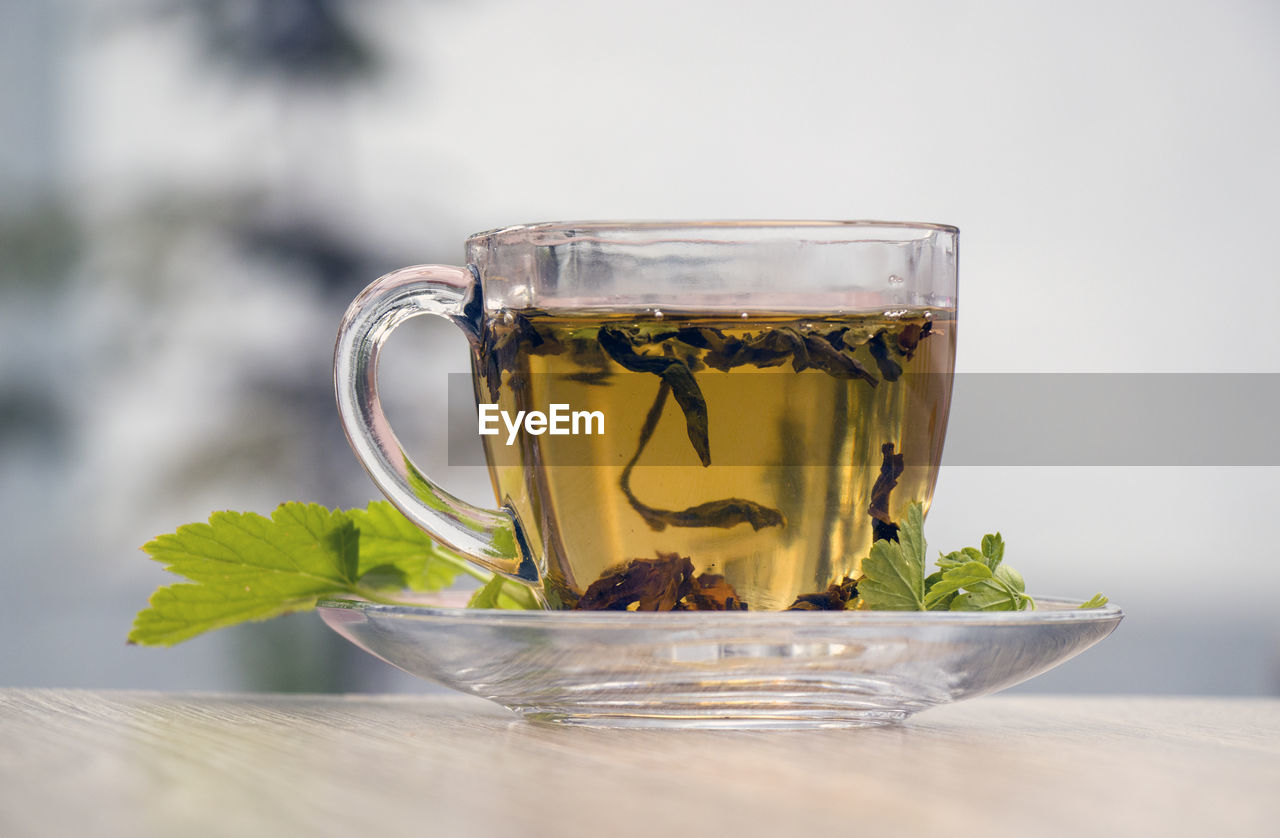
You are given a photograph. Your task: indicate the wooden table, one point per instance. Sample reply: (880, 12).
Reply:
(99, 763)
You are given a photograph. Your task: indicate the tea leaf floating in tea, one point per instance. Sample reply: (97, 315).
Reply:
(500, 353)
(890, 369)
(675, 375)
(911, 335)
(728, 512)
(820, 354)
(891, 468)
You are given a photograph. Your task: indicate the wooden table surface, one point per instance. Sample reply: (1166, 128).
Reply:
(104, 763)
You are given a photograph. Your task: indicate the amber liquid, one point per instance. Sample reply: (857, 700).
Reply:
(807, 445)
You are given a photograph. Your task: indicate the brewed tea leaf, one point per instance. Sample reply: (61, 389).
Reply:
(719, 513)
(822, 355)
(675, 375)
(835, 337)
(641, 585)
(890, 369)
(618, 346)
(725, 513)
(891, 467)
(835, 598)
(712, 592)
(688, 395)
(910, 336)
(502, 345)
(701, 337)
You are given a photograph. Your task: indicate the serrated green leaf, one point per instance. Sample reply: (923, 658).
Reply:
(893, 573)
(505, 594)
(243, 566)
(390, 543)
(952, 582)
(985, 596)
(959, 558)
(992, 594)
(942, 602)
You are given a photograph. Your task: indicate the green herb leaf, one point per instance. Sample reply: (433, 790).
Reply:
(1096, 601)
(505, 594)
(991, 594)
(993, 550)
(243, 566)
(988, 584)
(969, 579)
(958, 558)
(391, 543)
(953, 581)
(986, 597)
(894, 571)
(941, 602)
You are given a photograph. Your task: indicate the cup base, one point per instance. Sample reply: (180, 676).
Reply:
(763, 719)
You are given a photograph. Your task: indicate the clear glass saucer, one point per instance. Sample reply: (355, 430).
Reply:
(789, 669)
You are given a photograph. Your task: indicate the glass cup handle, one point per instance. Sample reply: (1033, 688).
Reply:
(490, 538)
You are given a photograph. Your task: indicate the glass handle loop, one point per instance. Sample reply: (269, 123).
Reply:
(490, 538)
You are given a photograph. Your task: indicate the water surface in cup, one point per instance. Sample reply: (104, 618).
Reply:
(769, 450)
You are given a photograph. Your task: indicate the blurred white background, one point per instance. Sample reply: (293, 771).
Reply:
(192, 190)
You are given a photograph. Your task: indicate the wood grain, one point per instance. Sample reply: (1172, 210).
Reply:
(123, 763)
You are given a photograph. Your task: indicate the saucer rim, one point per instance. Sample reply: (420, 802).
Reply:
(1060, 609)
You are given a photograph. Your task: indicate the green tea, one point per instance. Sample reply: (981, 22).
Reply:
(743, 461)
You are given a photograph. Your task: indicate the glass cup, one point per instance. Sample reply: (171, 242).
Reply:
(678, 416)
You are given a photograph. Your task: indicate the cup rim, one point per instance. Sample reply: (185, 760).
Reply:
(562, 230)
